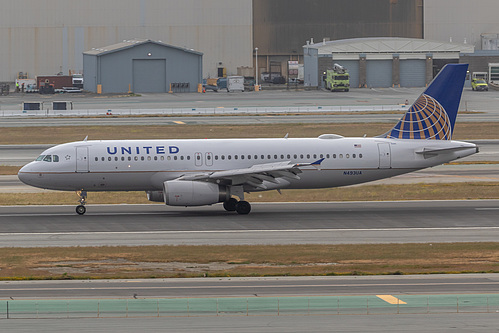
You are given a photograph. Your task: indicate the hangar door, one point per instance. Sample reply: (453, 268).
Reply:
(379, 73)
(352, 67)
(412, 73)
(149, 75)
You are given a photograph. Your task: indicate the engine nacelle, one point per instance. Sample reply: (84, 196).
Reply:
(156, 196)
(192, 193)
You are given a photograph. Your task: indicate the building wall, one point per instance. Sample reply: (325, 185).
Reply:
(48, 36)
(281, 27)
(460, 20)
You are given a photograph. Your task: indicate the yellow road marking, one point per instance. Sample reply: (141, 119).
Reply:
(390, 299)
(179, 122)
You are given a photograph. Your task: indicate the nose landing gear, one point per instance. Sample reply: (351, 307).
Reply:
(81, 209)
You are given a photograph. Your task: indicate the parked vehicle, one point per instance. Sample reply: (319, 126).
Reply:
(337, 79)
(479, 85)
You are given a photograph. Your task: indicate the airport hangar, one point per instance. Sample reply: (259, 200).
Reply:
(142, 66)
(381, 62)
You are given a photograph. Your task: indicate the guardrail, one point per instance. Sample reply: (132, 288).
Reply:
(200, 111)
(249, 306)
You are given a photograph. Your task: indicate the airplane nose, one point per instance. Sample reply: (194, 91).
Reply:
(25, 175)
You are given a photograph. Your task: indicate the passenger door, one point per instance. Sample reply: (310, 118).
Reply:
(82, 159)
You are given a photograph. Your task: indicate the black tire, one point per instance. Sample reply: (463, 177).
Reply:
(80, 209)
(243, 207)
(230, 205)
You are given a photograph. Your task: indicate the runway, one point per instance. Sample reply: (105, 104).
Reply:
(251, 287)
(268, 223)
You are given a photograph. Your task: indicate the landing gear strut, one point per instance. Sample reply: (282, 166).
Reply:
(81, 209)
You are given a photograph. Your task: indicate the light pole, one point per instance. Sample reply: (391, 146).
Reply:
(256, 70)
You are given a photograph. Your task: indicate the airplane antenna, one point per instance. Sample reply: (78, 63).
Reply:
(85, 138)
(365, 135)
(286, 136)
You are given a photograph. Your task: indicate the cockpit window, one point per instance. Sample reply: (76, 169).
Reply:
(48, 158)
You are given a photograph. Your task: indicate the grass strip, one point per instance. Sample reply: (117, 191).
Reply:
(61, 134)
(420, 191)
(246, 260)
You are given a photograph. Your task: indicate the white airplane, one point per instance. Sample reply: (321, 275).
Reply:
(209, 171)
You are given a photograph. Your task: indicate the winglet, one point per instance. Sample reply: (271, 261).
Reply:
(317, 164)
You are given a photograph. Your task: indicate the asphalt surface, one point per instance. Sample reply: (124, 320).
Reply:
(253, 287)
(270, 223)
(471, 100)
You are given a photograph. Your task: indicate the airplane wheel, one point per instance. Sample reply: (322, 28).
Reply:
(243, 207)
(230, 205)
(80, 209)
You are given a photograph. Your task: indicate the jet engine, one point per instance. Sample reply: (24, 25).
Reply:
(193, 193)
(155, 196)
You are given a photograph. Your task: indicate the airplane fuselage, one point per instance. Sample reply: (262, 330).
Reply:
(144, 165)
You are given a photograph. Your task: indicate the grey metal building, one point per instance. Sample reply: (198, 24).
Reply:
(142, 66)
(381, 62)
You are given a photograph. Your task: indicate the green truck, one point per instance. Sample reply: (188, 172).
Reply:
(337, 79)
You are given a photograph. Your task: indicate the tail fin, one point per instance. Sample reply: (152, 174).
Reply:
(433, 114)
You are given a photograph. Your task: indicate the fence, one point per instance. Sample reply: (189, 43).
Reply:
(200, 111)
(249, 306)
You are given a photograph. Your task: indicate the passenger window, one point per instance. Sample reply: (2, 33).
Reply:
(341, 155)
(334, 155)
(148, 158)
(354, 156)
(289, 156)
(122, 158)
(301, 155)
(102, 159)
(347, 155)
(229, 157)
(327, 156)
(188, 158)
(249, 157)
(142, 158)
(175, 157)
(256, 157)
(129, 158)
(109, 158)
(162, 158)
(216, 157)
(308, 155)
(295, 156)
(155, 158)
(275, 157)
(360, 155)
(136, 158)
(315, 155)
(223, 157)
(322, 155)
(282, 157)
(96, 159)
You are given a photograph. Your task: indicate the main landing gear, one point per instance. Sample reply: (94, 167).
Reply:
(81, 209)
(241, 207)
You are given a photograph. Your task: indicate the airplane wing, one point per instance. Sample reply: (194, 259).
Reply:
(255, 175)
